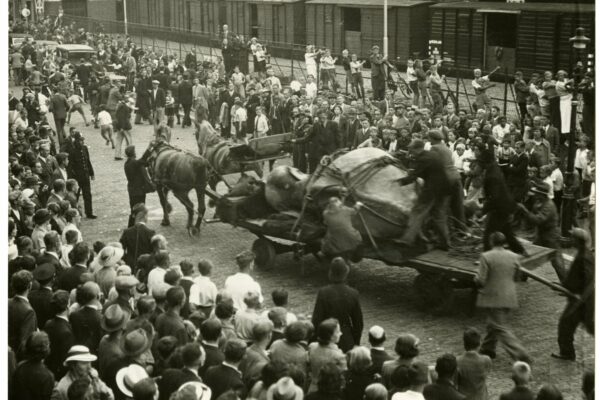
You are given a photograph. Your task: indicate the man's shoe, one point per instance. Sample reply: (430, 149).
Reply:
(562, 357)
(489, 353)
(92, 216)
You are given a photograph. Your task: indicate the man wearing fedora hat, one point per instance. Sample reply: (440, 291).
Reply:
(125, 286)
(134, 346)
(545, 218)
(79, 363)
(113, 322)
(127, 378)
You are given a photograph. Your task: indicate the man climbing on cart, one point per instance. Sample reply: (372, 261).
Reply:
(434, 197)
(341, 238)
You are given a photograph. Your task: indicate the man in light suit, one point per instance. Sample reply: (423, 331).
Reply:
(473, 367)
(59, 107)
(157, 104)
(498, 269)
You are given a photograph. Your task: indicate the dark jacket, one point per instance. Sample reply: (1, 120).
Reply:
(222, 378)
(32, 381)
(137, 183)
(214, 356)
(429, 167)
(497, 196)
(378, 357)
(357, 382)
(71, 278)
(123, 117)
(442, 390)
(171, 324)
(159, 100)
(61, 340)
(171, 379)
(40, 301)
(22, 322)
(80, 166)
(87, 331)
(322, 140)
(59, 105)
(136, 241)
(516, 172)
(518, 393)
(185, 93)
(340, 301)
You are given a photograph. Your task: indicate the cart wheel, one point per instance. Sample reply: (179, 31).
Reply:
(434, 290)
(264, 253)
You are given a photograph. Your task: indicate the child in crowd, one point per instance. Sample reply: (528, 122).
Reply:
(106, 125)
(170, 108)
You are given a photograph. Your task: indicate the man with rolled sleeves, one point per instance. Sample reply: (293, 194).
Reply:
(498, 270)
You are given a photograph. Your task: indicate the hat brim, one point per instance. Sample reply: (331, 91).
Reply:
(120, 379)
(139, 351)
(273, 395)
(80, 358)
(203, 392)
(112, 260)
(117, 327)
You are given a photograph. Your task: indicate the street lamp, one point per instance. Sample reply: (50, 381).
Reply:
(579, 42)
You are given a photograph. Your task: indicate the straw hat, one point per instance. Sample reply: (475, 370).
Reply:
(79, 353)
(127, 378)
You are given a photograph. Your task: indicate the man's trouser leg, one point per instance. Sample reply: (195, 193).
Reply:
(457, 202)
(567, 326)
(497, 331)
(501, 223)
(439, 214)
(60, 129)
(187, 121)
(118, 143)
(416, 218)
(86, 191)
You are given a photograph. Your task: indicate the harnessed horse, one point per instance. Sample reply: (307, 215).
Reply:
(215, 150)
(173, 169)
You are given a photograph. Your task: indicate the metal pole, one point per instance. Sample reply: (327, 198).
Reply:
(505, 89)
(385, 28)
(125, 15)
(568, 204)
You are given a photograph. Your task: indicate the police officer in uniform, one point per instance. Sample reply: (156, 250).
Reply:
(80, 168)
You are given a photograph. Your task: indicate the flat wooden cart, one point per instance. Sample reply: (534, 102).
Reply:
(439, 272)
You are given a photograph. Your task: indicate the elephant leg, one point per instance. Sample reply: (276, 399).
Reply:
(162, 197)
(182, 196)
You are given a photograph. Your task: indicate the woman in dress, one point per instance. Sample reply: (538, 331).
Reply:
(564, 86)
(310, 58)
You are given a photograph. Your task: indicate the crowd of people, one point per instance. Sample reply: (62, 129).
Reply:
(127, 319)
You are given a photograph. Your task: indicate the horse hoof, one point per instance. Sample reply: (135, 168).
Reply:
(193, 231)
(211, 203)
(165, 223)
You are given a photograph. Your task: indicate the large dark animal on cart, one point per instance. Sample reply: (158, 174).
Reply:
(172, 169)
(216, 151)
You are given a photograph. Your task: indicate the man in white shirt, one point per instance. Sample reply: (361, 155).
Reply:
(273, 80)
(501, 129)
(156, 277)
(238, 285)
(203, 293)
(261, 123)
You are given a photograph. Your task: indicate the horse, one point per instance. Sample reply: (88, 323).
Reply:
(215, 150)
(173, 169)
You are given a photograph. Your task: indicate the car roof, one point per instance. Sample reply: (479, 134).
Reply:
(76, 47)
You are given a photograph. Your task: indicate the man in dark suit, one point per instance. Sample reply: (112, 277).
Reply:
(473, 367)
(211, 332)
(51, 252)
(186, 99)
(71, 278)
(40, 298)
(552, 135)
(516, 173)
(534, 158)
(136, 240)
(170, 322)
(22, 321)
(498, 203)
(227, 376)
(60, 333)
(387, 104)
(322, 140)
(378, 354)
(85, 322)
(340, 301)
(80, 168)
(157, 104)
(138, 181)
(59, 107)
(498, 270)
(435, 194)
(443, 388)
(32, 379)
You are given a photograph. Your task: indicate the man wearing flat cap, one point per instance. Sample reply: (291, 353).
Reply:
(544, 216)
(434, 198)
(157, 104)
(40, 298)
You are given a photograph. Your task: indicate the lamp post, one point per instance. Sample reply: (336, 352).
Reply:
(385, 28)
(579, 43)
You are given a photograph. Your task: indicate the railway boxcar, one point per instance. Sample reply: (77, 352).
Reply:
(513, 36)
(357, 26)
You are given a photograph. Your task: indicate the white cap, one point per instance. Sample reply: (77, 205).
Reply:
(376, 332)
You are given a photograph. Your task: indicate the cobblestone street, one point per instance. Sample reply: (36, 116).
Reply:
(387, 295)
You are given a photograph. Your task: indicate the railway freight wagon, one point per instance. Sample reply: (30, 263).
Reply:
(358, 25)
(530, 37)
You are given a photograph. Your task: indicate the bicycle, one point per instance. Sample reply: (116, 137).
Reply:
(397, 83)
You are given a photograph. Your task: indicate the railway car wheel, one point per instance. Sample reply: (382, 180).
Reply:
(434, 291)
(264, 253)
